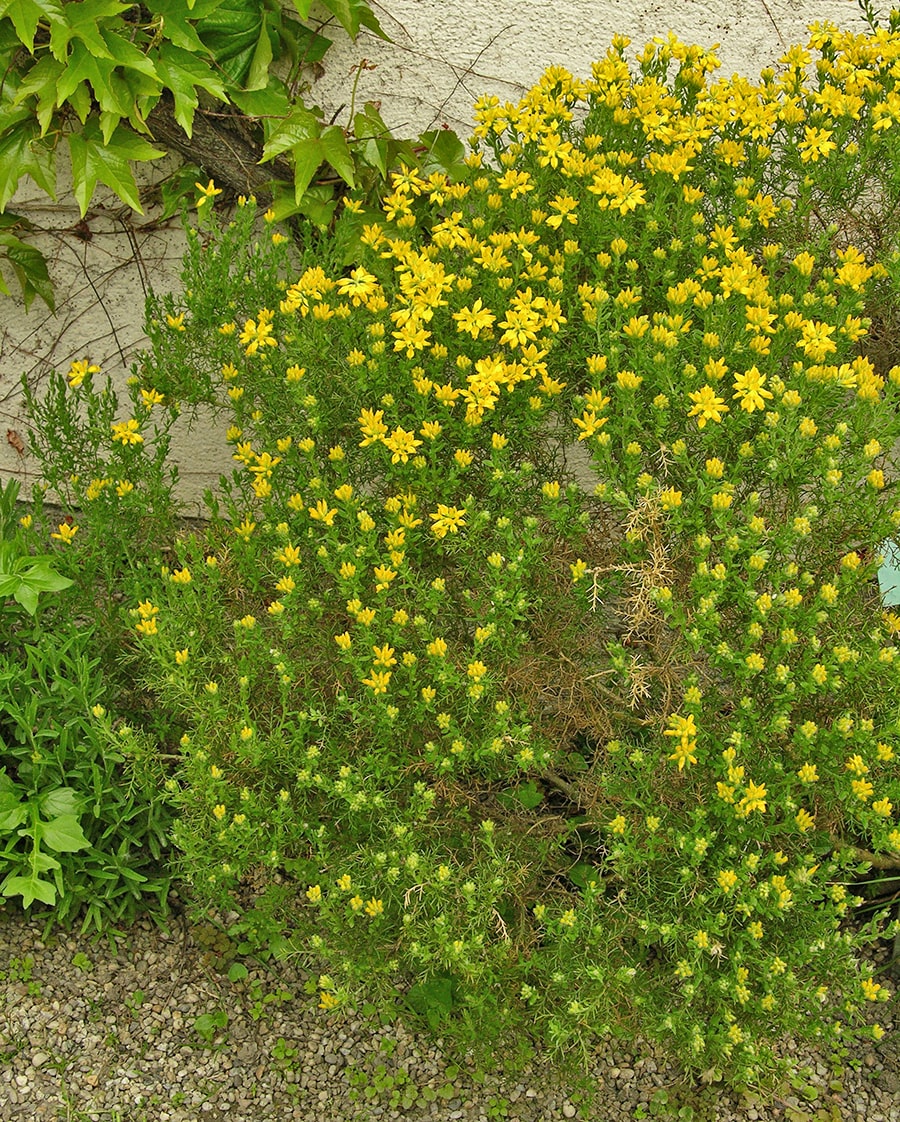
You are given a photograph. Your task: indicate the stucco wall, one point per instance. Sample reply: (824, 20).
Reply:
(442, 57)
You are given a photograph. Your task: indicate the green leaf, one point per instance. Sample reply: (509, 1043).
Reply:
(176, 26)
(41, 82)
(64, 834)
(84, 67)
(446, 152)
(354, 14)
(27, 14)
(272, 101)
(43, 578)
(258, 74)
(334, 145)
(30, 267)
(232, 32)
(302, 7)
(30, 889)
(15, 158)
(303, 45)
(300, 126)
(84, 22)
(61, 800)
(94, 162)
(237, 972)
(308, 157)
(183, 73)
(127, 55)
(13, 811)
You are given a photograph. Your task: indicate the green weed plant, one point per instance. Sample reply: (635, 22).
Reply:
(531, 659)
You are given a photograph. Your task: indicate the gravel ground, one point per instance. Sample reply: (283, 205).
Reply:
(86, 1034)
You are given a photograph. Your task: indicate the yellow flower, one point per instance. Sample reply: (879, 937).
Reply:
(314, 894)
(78, 371)
(127, 432)
(578, 570)
(670, 499)
(65, 533)
(181, 656)
(447, 519)
(707, 406)
(378, 681)
(686, 731)
(727, 879)
(219, 811)
(374, 907)
(206, 193)
(748, 389)
(321, 512)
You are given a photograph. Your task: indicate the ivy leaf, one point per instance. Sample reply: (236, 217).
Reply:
(334, 145)
(27, 14)
(127, 55)
(94, 162)
(300, 126)
(446, 152)
(183, 73)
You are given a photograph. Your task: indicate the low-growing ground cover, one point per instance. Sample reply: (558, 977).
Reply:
(569, 745)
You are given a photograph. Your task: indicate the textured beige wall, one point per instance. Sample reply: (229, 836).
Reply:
(443, 56)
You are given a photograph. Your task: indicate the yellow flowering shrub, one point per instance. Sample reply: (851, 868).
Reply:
(534, 639)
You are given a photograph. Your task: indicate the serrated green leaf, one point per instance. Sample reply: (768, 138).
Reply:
(64, 834)
(94, 162)
(127, 55)
(84, 67)
(85, 23)
(27, 14)
(40, 82)
(301, 126)
(15, 156)
(354, 14)
(81, 101)
(176, 26)
(182, 73)
(30, 889)
(30, 267)
(308, 157)
(334, 145)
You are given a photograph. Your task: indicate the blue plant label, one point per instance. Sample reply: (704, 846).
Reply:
(889, 574)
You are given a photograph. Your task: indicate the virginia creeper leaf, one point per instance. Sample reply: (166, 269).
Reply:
(300, 126)
(94, 162)
(182, 73)
(27, 14)
(308, 157)
(334, 145)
